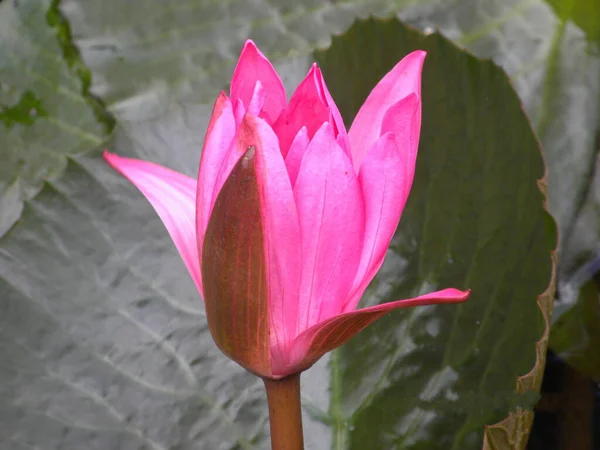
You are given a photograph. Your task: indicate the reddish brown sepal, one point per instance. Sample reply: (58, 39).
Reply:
(234, 270)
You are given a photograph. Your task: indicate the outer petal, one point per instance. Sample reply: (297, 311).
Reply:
(402, 80)
(217, 144)
(330, 334)
(253, 66)
(173, 196)
(331, 213)
(385, 178)
(308, 107)
(281, 233)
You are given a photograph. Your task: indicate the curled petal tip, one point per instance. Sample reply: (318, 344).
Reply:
(451, 295)
(464, 295)
(448, 295)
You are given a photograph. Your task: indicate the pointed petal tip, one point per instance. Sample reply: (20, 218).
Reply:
(253, 65)
(115, 161)
(121, 163)
(327, 130)
(251, 47)
(108, 156)
(448, 295)
(419, 54)
(416, 58)
(314, 74)
(413, 62)
(249, 43)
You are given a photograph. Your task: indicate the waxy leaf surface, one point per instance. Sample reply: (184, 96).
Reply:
(102, 333)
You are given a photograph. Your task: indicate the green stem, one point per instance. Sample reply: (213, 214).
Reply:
(285, 413)
(335, 404)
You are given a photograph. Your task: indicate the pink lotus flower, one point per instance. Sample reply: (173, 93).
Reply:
(291, 216)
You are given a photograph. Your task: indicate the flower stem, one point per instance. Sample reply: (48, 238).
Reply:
(285, 415)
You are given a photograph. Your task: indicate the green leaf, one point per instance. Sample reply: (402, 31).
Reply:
(434, 377)
(556, 73)
(585, 13)
(576, 317)
(572, 335)
(46, 112)
(575, 335)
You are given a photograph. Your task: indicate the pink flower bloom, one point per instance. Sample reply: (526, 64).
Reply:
(291, 216)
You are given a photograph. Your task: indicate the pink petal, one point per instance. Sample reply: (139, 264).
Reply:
(296, 153)
(253, 66)
(308, 107)
(336, 117)
(217, 143)
(332, 333)
(173, 196)
(331, 213)
(239, 110)
(281, 232)
(257, 100)
(402, 80)
(403, 119)
(385, 177)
